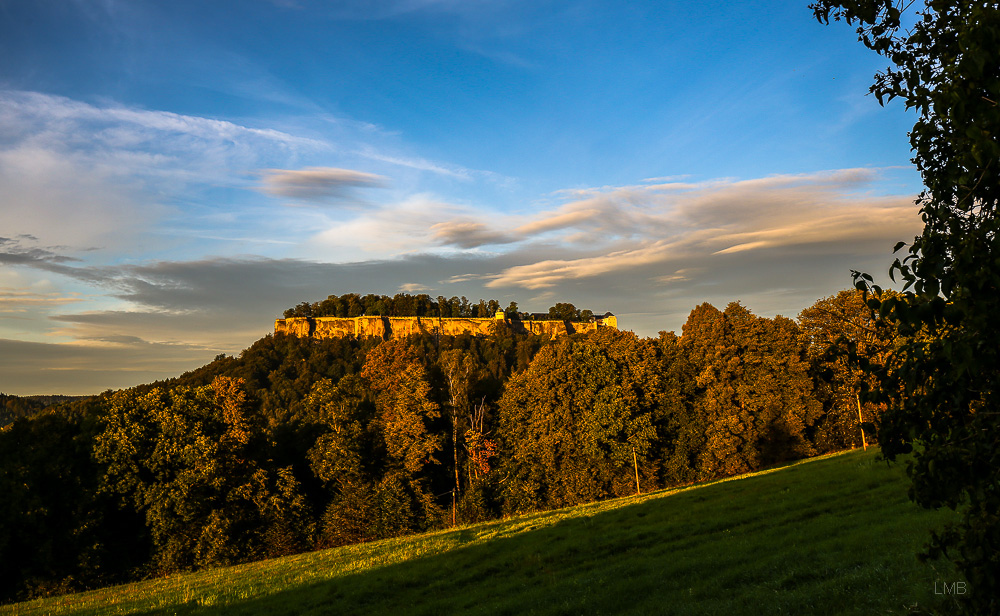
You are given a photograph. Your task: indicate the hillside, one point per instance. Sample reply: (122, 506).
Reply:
(831, 535)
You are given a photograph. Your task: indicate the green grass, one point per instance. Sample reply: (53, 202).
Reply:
(832, 535)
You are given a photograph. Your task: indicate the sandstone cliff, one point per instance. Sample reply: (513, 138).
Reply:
(389, 327)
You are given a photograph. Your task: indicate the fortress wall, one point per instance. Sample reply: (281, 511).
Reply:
(457, 327)
(397, 327)
(297, 326)
(390, 327)
(340, 328)
(546, 328)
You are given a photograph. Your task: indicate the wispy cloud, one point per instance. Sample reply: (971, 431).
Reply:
(34, 108)
(85, 175)
(20, 300)
(413, 287)
(663, 224)
(417, 163)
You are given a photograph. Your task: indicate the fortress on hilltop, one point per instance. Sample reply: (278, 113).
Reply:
(394, 327)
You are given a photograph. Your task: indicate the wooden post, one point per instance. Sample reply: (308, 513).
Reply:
(861, 420)
(636, 464)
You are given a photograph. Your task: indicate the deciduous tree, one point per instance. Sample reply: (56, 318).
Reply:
(838, 328)
(570, 424)
(753, 396)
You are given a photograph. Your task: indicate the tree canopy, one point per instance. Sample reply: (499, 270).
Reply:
(405, 305)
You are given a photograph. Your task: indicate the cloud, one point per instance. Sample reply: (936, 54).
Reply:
(67, 199)
(631, 227)
(22, 301)
(413, 287)
(388, 231)
(598, 232)
(109, 176)
(85, 175)
(36, 110)
(21, 252)
(317, 183)
(28, 368)
(570, 216)
(469, 234)
(420, 164)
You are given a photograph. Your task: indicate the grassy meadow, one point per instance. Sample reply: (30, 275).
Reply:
(830, 535)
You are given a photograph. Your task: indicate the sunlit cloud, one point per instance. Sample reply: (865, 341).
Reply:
(20, 300)
(644, 226)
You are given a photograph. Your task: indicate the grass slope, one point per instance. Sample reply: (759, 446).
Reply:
(833, 535)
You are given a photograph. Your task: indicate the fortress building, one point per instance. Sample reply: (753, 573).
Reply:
(394, 327)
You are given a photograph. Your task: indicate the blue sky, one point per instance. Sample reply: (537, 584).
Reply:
(174, 174)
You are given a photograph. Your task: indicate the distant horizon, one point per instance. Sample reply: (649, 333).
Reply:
(208, 360)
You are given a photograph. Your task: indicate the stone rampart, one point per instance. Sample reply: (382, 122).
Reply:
(396, 327)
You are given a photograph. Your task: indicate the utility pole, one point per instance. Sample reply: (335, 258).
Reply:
(635, 463)
(861, 420)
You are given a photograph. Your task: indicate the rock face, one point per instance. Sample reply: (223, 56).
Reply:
(396, 327)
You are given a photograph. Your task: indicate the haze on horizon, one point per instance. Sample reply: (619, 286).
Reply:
(172, 176)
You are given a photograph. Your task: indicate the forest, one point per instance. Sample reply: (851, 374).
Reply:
(298, 444)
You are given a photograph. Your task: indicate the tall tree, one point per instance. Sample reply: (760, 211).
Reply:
(943, 385)
(460, 374)
(838, 327)
(753, 396)
(401, 391)
(570, 424)
(343, 458)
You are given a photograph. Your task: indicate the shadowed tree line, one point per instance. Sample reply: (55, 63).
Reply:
(14, 407)
(298, 444)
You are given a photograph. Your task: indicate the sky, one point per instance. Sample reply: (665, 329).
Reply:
(173, 175)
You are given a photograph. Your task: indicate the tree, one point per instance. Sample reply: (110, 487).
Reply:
(942, 385)
(190, 461)
(338, 460)
(837, 327)
(459, 372)
(570, 424)
(404, 411)
(57, 534)
(753, 396)
(564, 312)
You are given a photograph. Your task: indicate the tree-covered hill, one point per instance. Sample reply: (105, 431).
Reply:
(297, 443)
